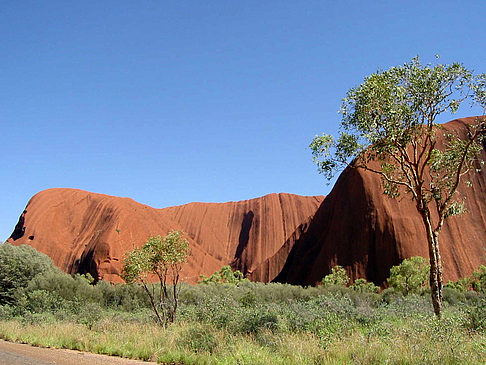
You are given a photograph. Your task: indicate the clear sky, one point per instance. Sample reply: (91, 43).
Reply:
(169, 102)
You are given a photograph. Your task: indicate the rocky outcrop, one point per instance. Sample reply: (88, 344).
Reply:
(87, 232)
(366, 232)
(279, 237)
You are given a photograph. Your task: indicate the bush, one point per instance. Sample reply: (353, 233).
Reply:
(19, 265)
(198, 338)
(337, 277)
(362, 286)
(257, 318)
(477, 317)
(479, 279)
(224, 276)
(410, 276)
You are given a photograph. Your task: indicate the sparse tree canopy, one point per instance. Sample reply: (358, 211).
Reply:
(162, 258)
(388, 127)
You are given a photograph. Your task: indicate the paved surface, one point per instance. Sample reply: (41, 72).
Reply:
(20, 354)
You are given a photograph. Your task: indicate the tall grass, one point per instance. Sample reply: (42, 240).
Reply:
(261, 324)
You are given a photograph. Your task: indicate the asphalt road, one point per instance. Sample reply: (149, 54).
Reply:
(20, 354)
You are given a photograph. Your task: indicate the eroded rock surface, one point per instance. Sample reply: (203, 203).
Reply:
(366, 232)
(87, 232)
(281, 237)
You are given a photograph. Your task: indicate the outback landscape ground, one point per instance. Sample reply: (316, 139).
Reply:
(75, 298)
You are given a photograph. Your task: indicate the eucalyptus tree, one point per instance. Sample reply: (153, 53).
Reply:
(389, 128)
(160, 258)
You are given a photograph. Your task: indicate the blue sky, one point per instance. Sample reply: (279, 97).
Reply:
(169, 102)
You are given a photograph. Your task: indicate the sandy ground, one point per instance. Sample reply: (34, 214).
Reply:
(20, 354)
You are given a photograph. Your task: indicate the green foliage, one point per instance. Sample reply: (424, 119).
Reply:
(386, 112)
(388, 128)
(461, 285)
(479, 279)
(19, 265)
(224, 276)
(161, 257)
(337, 277)
(198, 338)
(410, 276)
(362, 286)
(477, 316)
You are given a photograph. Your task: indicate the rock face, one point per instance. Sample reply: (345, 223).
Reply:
(279, 237)
(366, 232)
(86, 232)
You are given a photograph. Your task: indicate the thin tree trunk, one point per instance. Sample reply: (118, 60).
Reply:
(435, 263)
(154, 306)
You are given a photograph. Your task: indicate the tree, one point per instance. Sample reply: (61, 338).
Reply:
(160, 258)
(410, 276)
(338, 276)
(388, 128)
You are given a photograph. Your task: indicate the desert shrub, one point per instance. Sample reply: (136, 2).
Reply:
(410, 276)
(390, 295)
(362, 286)
(224, 276)
(42, 301)
(462, 285)
(458, 296)
(338, 277)
(479, 279)
(126, 297)
(6, 311)
(77, 288)
(408, 306)
(248, 299)
(198, 338)
(477, 316)
(18, 266)
(256, 318)
(90, 314)
(220, 312)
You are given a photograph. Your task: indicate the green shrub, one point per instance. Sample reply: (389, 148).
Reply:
(362, 286)
(410, 276)
(19, 265)
(477, 316)
(224, 276)
(479, 279)
(198, 338)
(461, 285)
(256, 318)
(337, 277)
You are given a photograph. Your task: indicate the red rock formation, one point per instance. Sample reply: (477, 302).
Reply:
(279, 237)
(86, 232)
(366, 232)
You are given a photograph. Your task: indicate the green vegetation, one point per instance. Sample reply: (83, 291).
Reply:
(410, 276)
(224, 276)
(338, 276)
(162, 258)
(18, 267)
(388, 128)
(248, 323)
